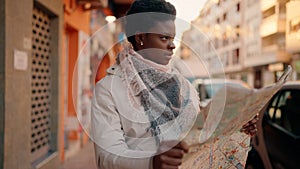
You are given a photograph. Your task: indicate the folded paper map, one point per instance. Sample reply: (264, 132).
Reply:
(216, 139)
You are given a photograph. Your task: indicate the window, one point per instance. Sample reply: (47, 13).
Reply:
(224, 16)
(238, 7)
(282, 9)
(237, 31)
(294, 25)
(274, 110)
(284, 110)
(226, 55)
(236, 56)
(269, 12)
(225, 39)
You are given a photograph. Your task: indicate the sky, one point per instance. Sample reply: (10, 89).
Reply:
(187, 10)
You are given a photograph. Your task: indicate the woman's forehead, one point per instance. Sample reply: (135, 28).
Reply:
(163, 27)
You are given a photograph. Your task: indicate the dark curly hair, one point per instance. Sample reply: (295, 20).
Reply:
(150, 12)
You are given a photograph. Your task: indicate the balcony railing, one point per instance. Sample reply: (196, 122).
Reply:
(293, 42)
(267, 4)
(271, 25)
(275, 53)
(270, 49)
(270, 54)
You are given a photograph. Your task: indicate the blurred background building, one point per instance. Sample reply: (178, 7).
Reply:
(293, 35)
(31, 52)
(253, 41)
(47, 71)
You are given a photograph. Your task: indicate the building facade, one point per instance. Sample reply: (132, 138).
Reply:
(45, 85)
(220, 26)
(249, 38)
(293, 35)
(75, 60)
(30, 56)
(273, 58)
(83, 54)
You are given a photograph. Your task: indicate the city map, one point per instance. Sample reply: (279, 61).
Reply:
(216, 139)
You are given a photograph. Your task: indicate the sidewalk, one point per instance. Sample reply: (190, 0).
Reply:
(83, 159)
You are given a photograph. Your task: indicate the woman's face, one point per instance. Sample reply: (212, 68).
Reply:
(157, 45)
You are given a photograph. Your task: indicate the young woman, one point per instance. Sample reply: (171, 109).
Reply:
(142, 108)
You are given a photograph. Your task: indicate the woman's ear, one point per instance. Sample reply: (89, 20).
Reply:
(139, 39)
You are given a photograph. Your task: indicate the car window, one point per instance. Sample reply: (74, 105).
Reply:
(293, 111)
(284, 96)
(284, 111)
(212, 89)
(207, 89)
(275, 109)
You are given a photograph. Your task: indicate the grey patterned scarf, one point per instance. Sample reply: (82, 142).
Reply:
(163, 94)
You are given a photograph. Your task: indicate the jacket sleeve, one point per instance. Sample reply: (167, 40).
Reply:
(111, 149)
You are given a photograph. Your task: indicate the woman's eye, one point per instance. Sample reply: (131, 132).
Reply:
(164, 38)
(167, 38)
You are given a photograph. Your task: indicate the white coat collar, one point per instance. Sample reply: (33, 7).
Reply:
(115, 69)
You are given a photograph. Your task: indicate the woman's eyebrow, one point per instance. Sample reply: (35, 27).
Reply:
(168, 34)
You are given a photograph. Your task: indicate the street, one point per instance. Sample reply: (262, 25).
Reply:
(83, 159)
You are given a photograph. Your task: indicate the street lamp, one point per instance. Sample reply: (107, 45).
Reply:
(111, 25)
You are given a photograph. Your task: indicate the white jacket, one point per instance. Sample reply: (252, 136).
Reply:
(119, 130)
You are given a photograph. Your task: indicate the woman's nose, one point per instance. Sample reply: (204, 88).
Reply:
(171, 45)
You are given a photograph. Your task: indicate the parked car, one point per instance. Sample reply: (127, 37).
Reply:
(277, 142)
(207, 88)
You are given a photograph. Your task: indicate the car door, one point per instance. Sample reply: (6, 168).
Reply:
(282, 141)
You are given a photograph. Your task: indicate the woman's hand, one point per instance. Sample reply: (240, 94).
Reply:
(170, 155)
(250, 128)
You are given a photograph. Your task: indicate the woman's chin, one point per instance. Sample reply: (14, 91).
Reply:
(165, 62)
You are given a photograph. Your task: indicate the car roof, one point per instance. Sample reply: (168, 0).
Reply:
(220, 80)
(291, 85)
